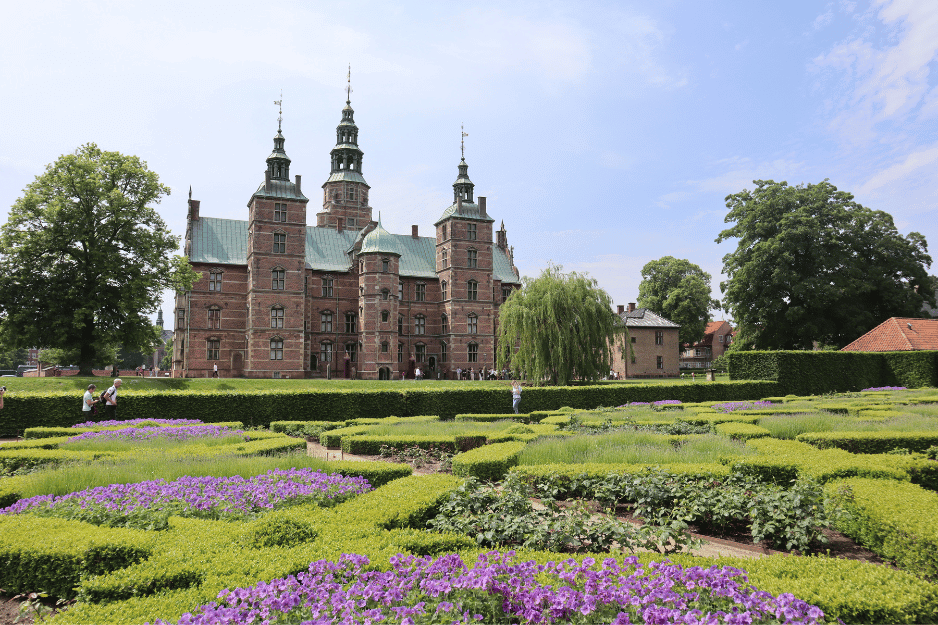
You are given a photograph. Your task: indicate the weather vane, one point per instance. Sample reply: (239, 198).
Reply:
(348, 89)
(462, 141)
(279, 103)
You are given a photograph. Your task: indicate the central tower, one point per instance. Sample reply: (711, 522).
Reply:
(345, 192)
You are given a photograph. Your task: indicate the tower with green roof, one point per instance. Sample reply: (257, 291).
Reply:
(345, 192)
(378, 277)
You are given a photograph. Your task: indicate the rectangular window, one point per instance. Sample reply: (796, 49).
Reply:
(660, 362)
(473, 292)
(276, 317)
(181, 318)
(280, 243)
(351, 350)
(473, 352)
(471, 232)
(277, 279)
(325, 322)
(659, 337)
(385, 266)
(444, 233)
(400, 325)
(280, 212)
(506, 293)
(400, 291)
(473, 324)
(276, 349)
(327, 287)
(473, 259)
(420, 325)
(443, 288)
(444, 323)
(421, 293)
(325, 352)
(420, 353)
(350, 193)
(445, 259)
(400, 352)
(721, 338)
(385, 347)
(350, 222)
(214, 281)
(350, 323)
(213, 347)
(442, 352)
(214, 318)
(633, 339)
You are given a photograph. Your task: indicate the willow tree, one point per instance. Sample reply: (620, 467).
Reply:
(559, 328)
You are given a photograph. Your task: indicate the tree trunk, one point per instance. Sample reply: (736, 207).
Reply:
(86, 352)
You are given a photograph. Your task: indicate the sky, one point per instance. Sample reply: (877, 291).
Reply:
(604, 134)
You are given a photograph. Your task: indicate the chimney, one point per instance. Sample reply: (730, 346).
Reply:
(266, 181)
(459, 203)
(298, 191)
(481, 205)
(413, 231)
(621, 309)
(338, 223)
(631, 306)
(194, 210)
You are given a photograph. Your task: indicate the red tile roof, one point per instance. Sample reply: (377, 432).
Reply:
(898, 334)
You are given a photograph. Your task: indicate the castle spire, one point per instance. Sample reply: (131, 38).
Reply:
(463, 187)
(278, 163)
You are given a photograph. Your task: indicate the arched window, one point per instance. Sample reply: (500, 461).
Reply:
(276, 348)
(473, 290)
(276, 317)
(444, 324)
(278, 278)
(214, 318)
(443, 288)
(472, 324)
(420, 324)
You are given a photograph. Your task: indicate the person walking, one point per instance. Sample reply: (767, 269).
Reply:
(2, 391)
(515, 395)
(215, 370)
(88, 401)
(110, 400)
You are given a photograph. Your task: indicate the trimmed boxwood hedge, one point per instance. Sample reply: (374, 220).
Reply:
(490, 463)
(814, 373)
(57, 409)
(870, 442)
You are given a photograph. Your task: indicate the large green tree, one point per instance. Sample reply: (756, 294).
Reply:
(558, 328)
(678, 290)
(813, 266)
(84, 257)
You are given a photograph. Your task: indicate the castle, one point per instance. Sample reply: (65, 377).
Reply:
(343, 298)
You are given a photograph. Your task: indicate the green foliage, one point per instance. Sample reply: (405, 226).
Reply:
(814, 373)
(278, 530)
(871, 442)
(679, 291)
(893, 519)
(488, 463)
(89, 222)
(370, 445)
(741, 431)
(811, 265)
(311, 429)
(558, 328)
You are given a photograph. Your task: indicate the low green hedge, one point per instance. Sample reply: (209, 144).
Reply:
(370, 444)
(573, 480)
(333, 438)
(490, 463)
(870, 442)
(894, 519)
(489, 418)
(12, 460)
(54, 554)
(741, 431)
(305, 428)
(712, 418)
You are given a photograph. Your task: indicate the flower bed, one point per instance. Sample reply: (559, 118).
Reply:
(150, 433)
(133, 422)
(732, 406)
(496, 589)
(883, 388)
(142, 503)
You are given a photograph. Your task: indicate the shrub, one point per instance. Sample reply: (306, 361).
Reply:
(870, 442)
(489, 463)
(741, 431)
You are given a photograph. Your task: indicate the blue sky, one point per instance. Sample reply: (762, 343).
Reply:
(604, 134)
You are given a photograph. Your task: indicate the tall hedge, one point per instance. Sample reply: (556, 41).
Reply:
(813, 373)
(56, 409)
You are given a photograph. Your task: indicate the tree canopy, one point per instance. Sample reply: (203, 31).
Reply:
(84, 257)
(558, 328)
(811, 265)
(678, 290)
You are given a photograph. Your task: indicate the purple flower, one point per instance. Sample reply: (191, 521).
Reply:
(150, 433)
(132, 422)
(732, 406)
(886, 388)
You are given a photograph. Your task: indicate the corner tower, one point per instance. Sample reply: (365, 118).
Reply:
(345, 192)
(276, 266)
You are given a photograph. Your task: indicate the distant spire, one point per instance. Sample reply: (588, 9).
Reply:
(279, 103)
(462, 141)
(348, 88)
(190, 191)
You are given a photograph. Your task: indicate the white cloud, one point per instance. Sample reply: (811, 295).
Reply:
(902, 171)
(823, 19)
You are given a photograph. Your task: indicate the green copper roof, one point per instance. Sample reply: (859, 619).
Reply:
(279, 190)
(346, 176)
(470, 210)
(379, 241)
(225, 241)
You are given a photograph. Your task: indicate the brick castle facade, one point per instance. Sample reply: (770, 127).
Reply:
(343, 297)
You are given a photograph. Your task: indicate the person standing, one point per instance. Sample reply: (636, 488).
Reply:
(2, 391)
(515, 395)
(417, 374)
(88, 403)
(110, 400)
(215, 370)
